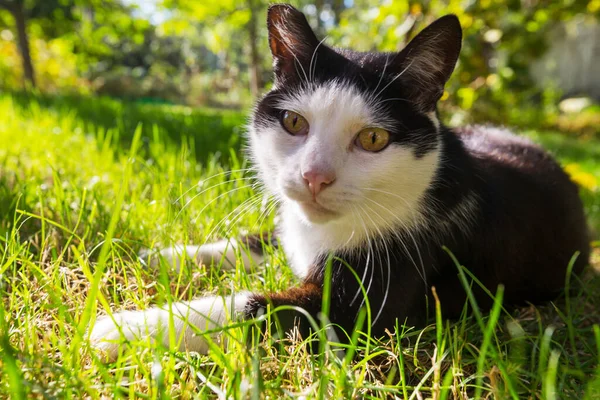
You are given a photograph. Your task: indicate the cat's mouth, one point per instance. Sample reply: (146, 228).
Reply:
(315, 212)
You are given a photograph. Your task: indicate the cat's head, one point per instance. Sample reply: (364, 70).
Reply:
(346, 135)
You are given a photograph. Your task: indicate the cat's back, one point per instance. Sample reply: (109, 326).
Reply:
(516, 166)
(500, 146)
(520, 174)
(530, 215)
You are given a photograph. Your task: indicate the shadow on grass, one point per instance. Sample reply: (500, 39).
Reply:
(204, 131)
(12, 200)
(8, 205)
(207, 132)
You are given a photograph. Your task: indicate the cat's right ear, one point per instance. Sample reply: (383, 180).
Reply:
(291, 39)
(426, 63)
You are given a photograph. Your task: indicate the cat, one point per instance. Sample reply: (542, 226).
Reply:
(351, 146)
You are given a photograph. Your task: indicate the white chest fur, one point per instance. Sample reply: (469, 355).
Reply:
(303, 243)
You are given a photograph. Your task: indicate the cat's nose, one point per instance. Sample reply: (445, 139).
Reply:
(318, 180)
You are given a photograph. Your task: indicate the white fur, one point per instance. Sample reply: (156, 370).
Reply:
(223, 252)
(433, 117)
(491, 139)
(208, 313)
(373, 192)
(464, 214)
(459, 219)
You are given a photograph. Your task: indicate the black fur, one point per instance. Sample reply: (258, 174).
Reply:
(524, 221)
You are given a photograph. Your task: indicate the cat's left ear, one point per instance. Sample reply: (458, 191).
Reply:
(291, 39)
(427, 62)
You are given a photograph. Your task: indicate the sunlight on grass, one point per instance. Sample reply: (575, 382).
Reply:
(82, 194)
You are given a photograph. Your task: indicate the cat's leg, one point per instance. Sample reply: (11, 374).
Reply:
(208, 313)
(300, 309)
(307, 297)
(223, 253)
(205, 314)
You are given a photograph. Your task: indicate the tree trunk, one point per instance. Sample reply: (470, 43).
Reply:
(255, 73)
(338, 7)
(319, 7)
(18, 12)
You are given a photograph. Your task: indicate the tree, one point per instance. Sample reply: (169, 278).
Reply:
(255, 73)
(17, 9)
(224, 21)
(52, 19)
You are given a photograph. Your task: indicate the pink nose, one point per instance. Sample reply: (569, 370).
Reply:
(318, 180)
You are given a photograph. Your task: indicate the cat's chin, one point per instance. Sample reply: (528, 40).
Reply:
(316, 213)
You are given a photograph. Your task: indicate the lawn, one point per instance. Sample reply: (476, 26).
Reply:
(86, 184)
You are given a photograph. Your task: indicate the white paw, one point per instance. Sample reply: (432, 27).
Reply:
(188, 318)
(108, 335)
(224, 252)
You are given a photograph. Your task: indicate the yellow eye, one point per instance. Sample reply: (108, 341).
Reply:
(373, 139)
(294, 123)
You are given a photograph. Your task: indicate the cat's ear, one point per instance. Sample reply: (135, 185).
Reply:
(427, 62)
(291, 39)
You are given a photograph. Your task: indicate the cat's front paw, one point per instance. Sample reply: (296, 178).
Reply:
(174, 256)
(186, 321)
(225, 253)
(109, 333)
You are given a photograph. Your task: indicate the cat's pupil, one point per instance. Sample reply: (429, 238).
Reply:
(295, 120)
(373, 137)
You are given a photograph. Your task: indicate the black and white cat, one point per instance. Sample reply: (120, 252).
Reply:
(351, 146)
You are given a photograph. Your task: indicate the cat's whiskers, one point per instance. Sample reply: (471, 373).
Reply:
(246, 206)
(406, 228)
(311, 69)
(393, 99)
(410, 233)
(351, 235)
(355, 215)
(394, 79)
(386, 192)
(217, 198)
(387, 58)
(389, 267)
(369, 252)
(381, 237)
(393, 229)
(412, 208)
(376, 102)
(237, 218)
(201, 182)
(297, 61)
(194, 197)
(435, 205)
(369, 241)
(265, 213)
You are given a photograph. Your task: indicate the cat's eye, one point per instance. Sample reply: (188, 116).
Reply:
(373, 139)
(294, 123)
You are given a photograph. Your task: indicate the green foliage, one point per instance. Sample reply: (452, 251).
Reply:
(220, 23)
(56, 63)
(66, 38)
(86, 183)
(78, 175)
(201, 52)
(203, 132)
(501, 41)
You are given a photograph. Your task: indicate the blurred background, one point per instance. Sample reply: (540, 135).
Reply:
(524, 62)
(121, 128)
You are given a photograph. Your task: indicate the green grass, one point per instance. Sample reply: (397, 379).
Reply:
(84, 188)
